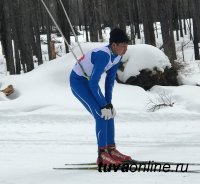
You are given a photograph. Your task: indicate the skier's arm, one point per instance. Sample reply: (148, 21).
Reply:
(109, 83)
(99, 59)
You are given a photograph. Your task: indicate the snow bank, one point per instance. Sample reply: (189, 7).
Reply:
(41, 87)
(46, 89)
(47, 86)
(3, 96)
(143, 56)
(185, 98)
(190, 74)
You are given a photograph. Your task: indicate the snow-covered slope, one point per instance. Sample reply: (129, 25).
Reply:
(47, 87)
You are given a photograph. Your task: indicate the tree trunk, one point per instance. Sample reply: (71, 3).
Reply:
(166, 28)
(196, 27)
(85, 15)
(196, 15)
(15, 31)
(1, 18)
(64, 25)
(26, 51)
(98, 19)
(122, 9)
(37, 32)
(7, 37)
(113, 14)
(131, 19)
(147, 19)
(180, 13)
(93, 25)
(175, 18)
(195, 41)
(48, 31)
(137, 19)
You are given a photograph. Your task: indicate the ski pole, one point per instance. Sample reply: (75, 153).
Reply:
(85, 74)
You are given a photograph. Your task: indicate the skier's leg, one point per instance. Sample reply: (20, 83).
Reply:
(82, 92)
(111, 132)
(114, 153)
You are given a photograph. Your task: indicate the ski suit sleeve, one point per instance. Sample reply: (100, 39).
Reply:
(109, 83)
(99, 59)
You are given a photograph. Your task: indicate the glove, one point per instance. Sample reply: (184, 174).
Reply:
(106, 112)
(113, 112)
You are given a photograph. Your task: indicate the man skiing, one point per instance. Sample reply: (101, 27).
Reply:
(84, 81)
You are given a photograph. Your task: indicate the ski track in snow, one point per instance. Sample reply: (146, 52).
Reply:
(31, 145)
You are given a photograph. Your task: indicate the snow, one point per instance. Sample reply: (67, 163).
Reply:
(143, 56)
(2, 96)
(42, 125)
(190, 74)
(2, 65)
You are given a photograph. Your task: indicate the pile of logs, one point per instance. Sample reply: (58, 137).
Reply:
(8, 90)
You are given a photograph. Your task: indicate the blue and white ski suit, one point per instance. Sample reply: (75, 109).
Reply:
(89, 93)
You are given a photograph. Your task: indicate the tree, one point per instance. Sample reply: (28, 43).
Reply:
(15, 33)
(63, 21)
(7, 37)
(136, 18)
(1, 19)
(93, 24)
(23, 21)
(36, 29)
(147, 19)
(131, 20)
(113, 15)
(122, 16)
(26, 53)
(85, 19)
(196, 27)
(165, 16)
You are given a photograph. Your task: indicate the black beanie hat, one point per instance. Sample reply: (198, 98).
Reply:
(117, 35)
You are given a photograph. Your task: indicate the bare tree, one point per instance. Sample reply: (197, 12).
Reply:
(165, 16)
(93, 24)
(146, 7)
(131, 20)
(35, 19)
(26, 53)
(196, 27)
(7, 37)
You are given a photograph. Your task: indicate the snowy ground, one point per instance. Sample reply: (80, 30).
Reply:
(31, 145)
(43, 126)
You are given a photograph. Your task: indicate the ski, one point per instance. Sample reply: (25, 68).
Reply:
(162, 163)
(133, 168)
(77, 164)
(78, 168)
(139, 162)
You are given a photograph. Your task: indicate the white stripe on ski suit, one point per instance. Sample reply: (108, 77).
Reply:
(84, 102)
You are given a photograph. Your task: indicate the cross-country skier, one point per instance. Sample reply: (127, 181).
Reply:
(87, 91)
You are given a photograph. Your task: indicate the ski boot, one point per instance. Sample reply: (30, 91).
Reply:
(115, 154)
(105, 158)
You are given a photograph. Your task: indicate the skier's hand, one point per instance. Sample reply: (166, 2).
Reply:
(106, 112)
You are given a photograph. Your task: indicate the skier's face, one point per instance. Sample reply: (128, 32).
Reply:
(119, 48)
